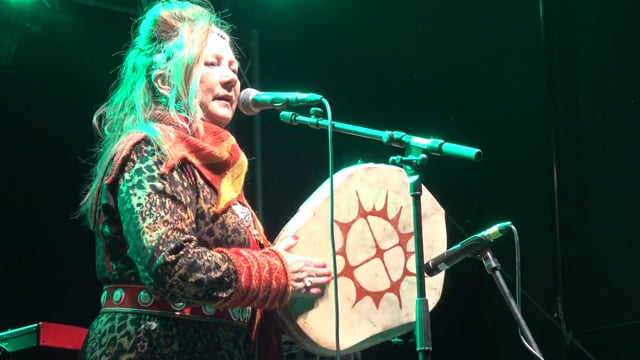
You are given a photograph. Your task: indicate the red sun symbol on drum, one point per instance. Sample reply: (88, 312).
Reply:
(386, 243)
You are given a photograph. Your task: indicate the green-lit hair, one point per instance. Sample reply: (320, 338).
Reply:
(168, 43)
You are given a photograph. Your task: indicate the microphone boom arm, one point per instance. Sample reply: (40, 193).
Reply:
(394, 138)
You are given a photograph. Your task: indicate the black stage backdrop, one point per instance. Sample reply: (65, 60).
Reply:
(555, 112)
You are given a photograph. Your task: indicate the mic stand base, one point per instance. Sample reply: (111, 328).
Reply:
(492, 266)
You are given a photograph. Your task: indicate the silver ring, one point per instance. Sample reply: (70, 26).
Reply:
(307, 283)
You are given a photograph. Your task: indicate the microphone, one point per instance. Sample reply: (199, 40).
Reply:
(467, 248)
(253, 101)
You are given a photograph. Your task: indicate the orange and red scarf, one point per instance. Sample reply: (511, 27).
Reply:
(217, 157)
(215, 154)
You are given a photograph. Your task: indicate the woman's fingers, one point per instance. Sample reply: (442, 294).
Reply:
(313, 290)
(319, 281)
(322, 272)
(301, 274)
(308, 276)
(310, 283)
(315, 262)
(288, 243)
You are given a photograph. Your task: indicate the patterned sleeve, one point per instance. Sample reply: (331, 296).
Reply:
(158, 218)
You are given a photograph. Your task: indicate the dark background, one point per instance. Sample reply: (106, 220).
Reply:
(555, 108)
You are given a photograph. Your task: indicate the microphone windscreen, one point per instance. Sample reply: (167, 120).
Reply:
(244, 103)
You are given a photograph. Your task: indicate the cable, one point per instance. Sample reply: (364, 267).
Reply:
(550, 108)
(334, 269)
(516, 240)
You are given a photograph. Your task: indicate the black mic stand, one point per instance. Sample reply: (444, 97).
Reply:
(411, 162)
(492, 266)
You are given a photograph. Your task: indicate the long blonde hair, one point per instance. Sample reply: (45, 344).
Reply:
(168, 43)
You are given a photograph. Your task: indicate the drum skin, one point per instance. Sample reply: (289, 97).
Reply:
(373, 232)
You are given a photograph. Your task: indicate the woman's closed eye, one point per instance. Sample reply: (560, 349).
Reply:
(215, 63)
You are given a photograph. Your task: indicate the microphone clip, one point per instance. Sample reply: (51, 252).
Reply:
(409, 160)
(316, 113)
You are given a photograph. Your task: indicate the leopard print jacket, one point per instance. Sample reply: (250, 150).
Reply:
(157, 229)
(161, 228)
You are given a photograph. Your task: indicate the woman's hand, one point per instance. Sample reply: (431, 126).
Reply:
(309, 276)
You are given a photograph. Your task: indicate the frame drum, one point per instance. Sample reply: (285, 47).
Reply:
(374, 256)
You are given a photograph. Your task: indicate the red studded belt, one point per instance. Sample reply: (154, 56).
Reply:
(138, 299)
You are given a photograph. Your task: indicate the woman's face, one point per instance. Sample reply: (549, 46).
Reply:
(219, 84)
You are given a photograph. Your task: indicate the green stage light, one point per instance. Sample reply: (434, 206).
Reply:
(22, 2)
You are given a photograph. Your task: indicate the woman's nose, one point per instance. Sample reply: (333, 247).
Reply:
(229, 78)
